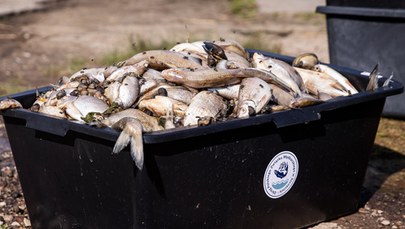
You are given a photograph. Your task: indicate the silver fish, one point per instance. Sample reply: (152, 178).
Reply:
(124, 93)
(282, 70)
(337, 76)
(254, 94)
(162, 105)
(321, 85)
(204, 105)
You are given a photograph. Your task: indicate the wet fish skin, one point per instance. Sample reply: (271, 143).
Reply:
(321, 84)
(162, 105)
(306, 61)
(78, 107)
(286, 73)
(204, 104)
(206, 78)
(337, 76)
(229, 92)
(254, 93)
(123, 93)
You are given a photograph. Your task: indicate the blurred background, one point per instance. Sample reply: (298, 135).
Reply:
(42, 40)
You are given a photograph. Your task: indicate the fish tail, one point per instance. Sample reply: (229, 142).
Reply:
(121, 142)
(131, 132)
(137, 150)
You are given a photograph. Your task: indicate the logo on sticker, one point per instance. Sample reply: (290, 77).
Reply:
(280, 174)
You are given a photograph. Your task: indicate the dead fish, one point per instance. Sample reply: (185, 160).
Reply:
(254, 94)
(337, 76)
(136, 70)
(147, 85)
(321, 85)
(163, 59)
(201, 78)
(236, 61)
(204, 105)
(179, 93)
(92, 73)
(162, 105)
(132, 123)
(152, 74)
(195, 48)
(125, 92)
(282, 70)
(232, 46)
(205, 78)
(306, 61)
(230, 92)
(9, 103)
(78, 107)
(286, 99)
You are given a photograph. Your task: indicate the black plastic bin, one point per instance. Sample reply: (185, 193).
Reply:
(364, 33)
(288, 169)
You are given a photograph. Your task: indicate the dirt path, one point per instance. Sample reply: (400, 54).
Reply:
(36, 47)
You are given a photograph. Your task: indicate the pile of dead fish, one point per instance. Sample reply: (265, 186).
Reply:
(191, 84)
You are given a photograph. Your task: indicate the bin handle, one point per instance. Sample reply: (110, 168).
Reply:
(294, 117)
(49, 125)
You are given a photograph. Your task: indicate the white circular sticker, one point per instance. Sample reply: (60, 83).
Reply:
(280, 174)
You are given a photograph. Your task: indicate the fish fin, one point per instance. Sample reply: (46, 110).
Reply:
(373, 79)
(388, 81)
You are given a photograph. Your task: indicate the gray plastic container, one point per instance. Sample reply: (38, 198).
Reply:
(362, 34)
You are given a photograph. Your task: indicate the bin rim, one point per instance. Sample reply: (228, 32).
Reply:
(61, 127)
(361, 11)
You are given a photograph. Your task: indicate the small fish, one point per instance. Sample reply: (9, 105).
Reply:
(204, 105)
(78, 107)
(123, 93)
(162, 105)
(230, 92)
(254, 94)
(321, 85)
(337, 76)
(282, 70)
(306, 61)
(286, 99)
(9, 103)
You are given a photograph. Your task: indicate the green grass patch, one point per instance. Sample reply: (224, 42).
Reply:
(244, 8)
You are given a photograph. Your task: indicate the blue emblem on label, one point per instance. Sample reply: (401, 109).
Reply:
(282, 171)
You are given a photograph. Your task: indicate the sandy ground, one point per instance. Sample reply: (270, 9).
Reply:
(35, 47)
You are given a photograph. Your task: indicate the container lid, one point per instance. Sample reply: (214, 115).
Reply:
(361, 11)
(390, 4)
